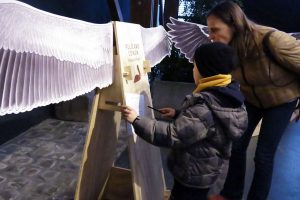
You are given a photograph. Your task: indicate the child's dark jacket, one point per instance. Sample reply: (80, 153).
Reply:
(200, 137)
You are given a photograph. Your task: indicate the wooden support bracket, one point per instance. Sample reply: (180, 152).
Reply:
(127, 74)
(147, 66)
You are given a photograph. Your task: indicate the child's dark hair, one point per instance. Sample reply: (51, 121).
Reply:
(215, 58)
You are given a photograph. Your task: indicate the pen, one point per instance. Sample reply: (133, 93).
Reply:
(155, 109)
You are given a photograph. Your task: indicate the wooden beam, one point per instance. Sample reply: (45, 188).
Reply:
(148, 178)
(142, 12)
(155, 12)
(115, 10)
(171, 10)
(161, 13)
(119, 185)
(99, 150)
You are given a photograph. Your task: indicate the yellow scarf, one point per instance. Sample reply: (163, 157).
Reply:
(217, 80)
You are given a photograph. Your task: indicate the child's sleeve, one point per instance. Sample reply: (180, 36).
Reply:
(188, 128)
(192, 125)
(158, 133)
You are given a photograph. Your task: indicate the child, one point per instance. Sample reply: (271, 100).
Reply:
(202, 132)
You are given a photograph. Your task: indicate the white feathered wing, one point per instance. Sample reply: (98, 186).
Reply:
(156, 44)
(47, 58)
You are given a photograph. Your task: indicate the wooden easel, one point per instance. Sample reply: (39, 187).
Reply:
(145, 180)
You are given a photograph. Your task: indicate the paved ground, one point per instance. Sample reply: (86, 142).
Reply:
(43, 162)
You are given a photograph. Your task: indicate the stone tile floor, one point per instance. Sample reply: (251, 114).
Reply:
(43, 162)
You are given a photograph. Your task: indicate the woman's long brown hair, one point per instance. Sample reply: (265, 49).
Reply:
(231, 14)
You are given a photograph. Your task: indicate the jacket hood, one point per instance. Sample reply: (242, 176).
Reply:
(230, 94)
(234, 120)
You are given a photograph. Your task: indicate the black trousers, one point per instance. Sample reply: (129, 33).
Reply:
(274, 122)
(181, 192)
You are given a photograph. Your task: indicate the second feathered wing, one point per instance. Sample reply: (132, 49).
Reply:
(156, 44)
(296, 35)
(187, 36)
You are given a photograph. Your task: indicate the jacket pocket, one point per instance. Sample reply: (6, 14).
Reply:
(205, 171)
(205, 166)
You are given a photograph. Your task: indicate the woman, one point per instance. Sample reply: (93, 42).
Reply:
(271, 89)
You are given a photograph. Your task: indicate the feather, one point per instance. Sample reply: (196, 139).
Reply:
(29, 80)
(27, 29)
(187, 36)
(156, 44)
(296, 35)
(46, 58)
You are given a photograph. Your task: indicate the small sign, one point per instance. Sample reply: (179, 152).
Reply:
(137, 102)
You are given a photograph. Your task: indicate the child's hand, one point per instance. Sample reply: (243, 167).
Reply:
(128, 113)
(167, 112)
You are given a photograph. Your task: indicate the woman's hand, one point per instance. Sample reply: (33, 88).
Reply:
(128, 113)
(296, 115)
(168, 112)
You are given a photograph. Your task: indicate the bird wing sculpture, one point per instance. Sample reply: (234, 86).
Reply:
(46, 58)
(296, 35)
(156, 44)
(188, 36)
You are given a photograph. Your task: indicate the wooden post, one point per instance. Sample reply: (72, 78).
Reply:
(142, 12)
(171, 10)
(155, 13)
(161, 13)
(115, 10)
(101, 143)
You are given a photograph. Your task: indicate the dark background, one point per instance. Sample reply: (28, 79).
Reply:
(284, 15)
(95, 11)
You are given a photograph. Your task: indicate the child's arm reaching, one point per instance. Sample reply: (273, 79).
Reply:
(149, 129)
(129, 114)
(185, 130)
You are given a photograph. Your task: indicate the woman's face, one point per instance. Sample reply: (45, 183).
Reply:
(197, 76)
(219, 31)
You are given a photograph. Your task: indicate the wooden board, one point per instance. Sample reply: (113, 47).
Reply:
(119, 185)
(98, 156)
(145, 160)
(101, 141)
